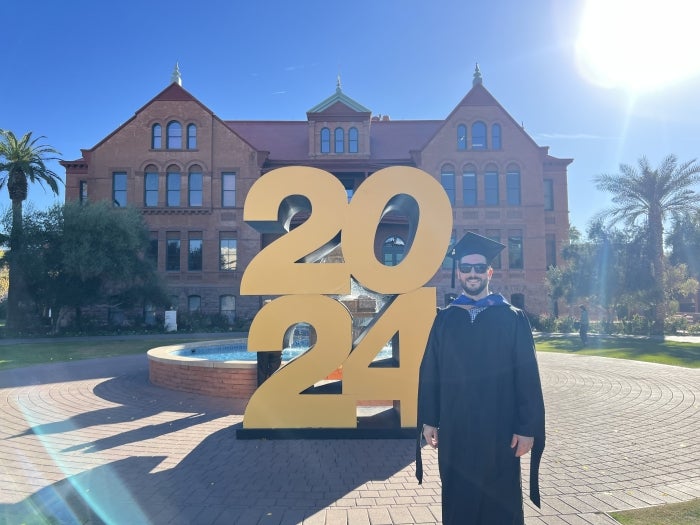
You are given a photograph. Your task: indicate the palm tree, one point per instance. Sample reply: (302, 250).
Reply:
(651, 196)
(21, 162)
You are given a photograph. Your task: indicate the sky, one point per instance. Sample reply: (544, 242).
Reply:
(603, 82)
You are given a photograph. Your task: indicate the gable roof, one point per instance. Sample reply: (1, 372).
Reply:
(336, 103)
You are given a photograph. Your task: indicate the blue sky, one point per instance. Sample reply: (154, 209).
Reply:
(600, 81)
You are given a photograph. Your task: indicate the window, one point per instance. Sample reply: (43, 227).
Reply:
(191, 136)
(495, 235)
(227, 307)
(353, 140)
(228, 189)
(496, 136)
(228, 259)
(150, 186)
(83, 191)
(518, 300)
(174, 135)
(156, 136)
(194, 187)
(515, 249)
(339, 140)
(172, 253)
(461, 136)
(119, 189)
(491, 186)
(447, 179)
(194, 303)
(548, 194)
(550, 246)
(173, 183)
(325, 140)
(194, 252)
(469, 186)
(349, 186)
(152, 250)
(513, 185)
(478, 135)
(447, 261)
(393, 251)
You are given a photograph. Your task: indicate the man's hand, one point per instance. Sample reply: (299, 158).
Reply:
(521, 444)
(431, 435)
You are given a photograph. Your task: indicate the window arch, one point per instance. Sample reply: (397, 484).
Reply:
(174, 135)
(447, 179)
(191, 136)
(496, 136)
(461, 136)
(339, 140)
(353, 140)
(513, 192)
(156, 136)
(469, 186)
(393, 250)
(195, 188)
(478, 135)
(325, 140)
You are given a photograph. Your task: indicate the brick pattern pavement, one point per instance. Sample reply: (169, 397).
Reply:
(94, 442)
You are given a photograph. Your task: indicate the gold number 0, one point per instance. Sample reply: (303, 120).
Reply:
(271, 203)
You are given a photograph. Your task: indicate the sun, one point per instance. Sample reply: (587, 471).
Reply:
(638, 45)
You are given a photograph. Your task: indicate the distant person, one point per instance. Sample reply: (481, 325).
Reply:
(583, 325)
(480, 399)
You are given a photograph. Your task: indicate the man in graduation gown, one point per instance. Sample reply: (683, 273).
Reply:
(480, 399)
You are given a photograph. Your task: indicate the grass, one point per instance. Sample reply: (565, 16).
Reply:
(34, 353)
(687, 513)
(665, 352)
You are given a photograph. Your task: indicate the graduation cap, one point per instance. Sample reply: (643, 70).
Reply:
(474, 243)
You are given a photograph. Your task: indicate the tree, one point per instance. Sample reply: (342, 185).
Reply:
(81, 256)
(22, 161)
(649, 196)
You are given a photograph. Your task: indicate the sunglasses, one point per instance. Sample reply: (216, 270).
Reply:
(478, 268)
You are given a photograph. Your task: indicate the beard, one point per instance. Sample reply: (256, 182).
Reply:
(473, 288)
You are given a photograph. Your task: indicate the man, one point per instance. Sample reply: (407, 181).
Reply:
(480, 399)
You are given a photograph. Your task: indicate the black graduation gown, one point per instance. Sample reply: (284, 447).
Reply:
(480, 384)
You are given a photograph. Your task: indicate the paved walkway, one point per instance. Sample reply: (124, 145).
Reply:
(94, 442)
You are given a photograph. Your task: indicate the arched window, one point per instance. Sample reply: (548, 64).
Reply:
(172, 182)
(194, 303)
(339, 140)
(174, 135)
(227, 307)
(513, 185)
(496, 136)
(194, 187)
(325, 140)
(353, 140)
(150, 183)
(491, 185)
(447, 179)
(478, 135)
(393, 250)
(191, 136)
(469, 185)
(156, 136)
(461, 136)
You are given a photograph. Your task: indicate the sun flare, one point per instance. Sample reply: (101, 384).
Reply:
(638, 45)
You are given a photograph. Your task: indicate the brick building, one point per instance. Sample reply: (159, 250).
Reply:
(189, 171)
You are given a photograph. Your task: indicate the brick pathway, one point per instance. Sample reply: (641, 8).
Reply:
(94, 442)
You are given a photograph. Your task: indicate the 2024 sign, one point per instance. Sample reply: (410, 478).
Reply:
(287, 268)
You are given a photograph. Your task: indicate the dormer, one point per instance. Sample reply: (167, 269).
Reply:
(339, 127)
